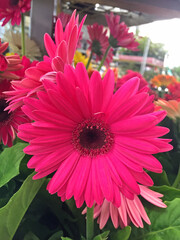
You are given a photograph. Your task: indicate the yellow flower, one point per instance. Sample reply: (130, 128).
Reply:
(162, 80)
(9, 54)
(79, 57)
(172, 107)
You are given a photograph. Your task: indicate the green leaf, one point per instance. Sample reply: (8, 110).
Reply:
(31, 236)
(169, 193)
(12, 213)
(102, 236)
(121, 234)
(66, 238)
(56, 236)
(10, 160)
(55, 204)
(159, 178)
(165, 224)
(23, 169)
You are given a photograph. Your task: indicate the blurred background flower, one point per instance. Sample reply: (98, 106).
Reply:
(11, 10)
(14, 38)
(8, 64)
(162, 80)
(9, 121)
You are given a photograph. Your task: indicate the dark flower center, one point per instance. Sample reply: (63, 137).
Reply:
(13, 2)
(113, 42)
(96, 47)
(4, 115)
(18, 46)
(92, 137)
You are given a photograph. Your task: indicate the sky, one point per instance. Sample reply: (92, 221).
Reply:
(168, 33)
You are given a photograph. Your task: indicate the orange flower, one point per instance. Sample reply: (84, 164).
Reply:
(115, 70)
(162, 80)
(172, 107)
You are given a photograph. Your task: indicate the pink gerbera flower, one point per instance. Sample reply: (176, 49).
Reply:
(22, 87)
(65, 18)
(120, 37)
(129, 211)
(10, 10)
(97, 143)
(8, 64)
(9, 122)
(60, 53)
(28, 86)
(99, 43)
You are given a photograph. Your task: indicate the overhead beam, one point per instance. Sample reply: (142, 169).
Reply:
(161, 8)
(130, 19)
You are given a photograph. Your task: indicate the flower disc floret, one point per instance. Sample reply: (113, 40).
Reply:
(92, 137)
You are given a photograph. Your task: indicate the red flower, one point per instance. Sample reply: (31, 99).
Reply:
(99, 43)
(26, 64)
(10, 10)
(120, 37)
(3, 63)
(8, 64)
(9, 121)
(174, 92)
(130, 74)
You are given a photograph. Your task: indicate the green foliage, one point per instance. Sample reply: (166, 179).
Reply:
(102, 236)
(159, 178)
(156, 50)
(176, 72)
(56, 236)
(169, 193)
(121, 234)
(165, 224)
(10, 160)
(31, 236)
(48, 217)
(6, 192)
(169, 160)
(66, 238)
(12, 213)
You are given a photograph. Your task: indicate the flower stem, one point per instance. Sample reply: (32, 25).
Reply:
(176, 183)
(89, 60)
(90, 223)
(104, 58)
(22, 34)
